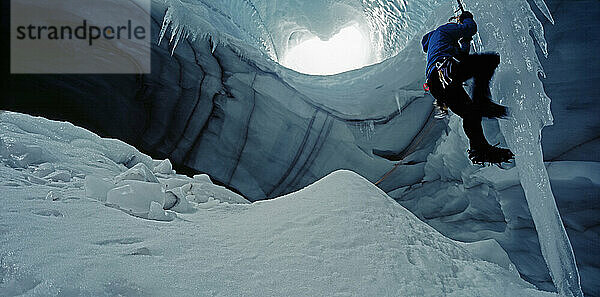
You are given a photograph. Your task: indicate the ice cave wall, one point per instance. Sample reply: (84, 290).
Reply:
(265, 131)
(211, 108)
(574, 137)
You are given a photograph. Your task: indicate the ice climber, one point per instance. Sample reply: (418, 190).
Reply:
(449, 65)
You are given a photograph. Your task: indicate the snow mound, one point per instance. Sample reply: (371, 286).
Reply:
(375, 245)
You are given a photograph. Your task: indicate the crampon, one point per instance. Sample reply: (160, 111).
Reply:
(490, 155)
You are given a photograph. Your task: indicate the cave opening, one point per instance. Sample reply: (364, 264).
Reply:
(346, 50)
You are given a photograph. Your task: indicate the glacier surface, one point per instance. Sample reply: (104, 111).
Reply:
(218, 102)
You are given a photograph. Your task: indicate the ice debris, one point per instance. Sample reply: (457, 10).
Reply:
(138, 191)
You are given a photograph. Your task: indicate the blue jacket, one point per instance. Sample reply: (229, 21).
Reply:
(444, 42)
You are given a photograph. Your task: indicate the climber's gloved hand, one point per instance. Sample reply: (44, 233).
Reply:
(466, 39)
(465, 15)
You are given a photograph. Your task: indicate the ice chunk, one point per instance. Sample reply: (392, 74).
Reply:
(17, 154)
(43, 169)
(202, 178)
(174, 182)
(203, 192)
(158, 213)
(136, 196)
(554, 242)
(36, 180)
(164, 167)
(53, 195)
(96, 187)
(541, 4)
(177, 201)
(518, 85)
(170, 200)
(59, 175)
(139, 172)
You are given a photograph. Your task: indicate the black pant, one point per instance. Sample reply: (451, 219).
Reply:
(481, 68)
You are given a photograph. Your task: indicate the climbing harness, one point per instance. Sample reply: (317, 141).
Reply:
(444, 69)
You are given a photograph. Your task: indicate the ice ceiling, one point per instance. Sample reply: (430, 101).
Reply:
(328, 37)
(314, 37)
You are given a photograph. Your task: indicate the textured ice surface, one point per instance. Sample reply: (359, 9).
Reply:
(216, 103)
(339, 236)
(275, 27)
(570, 73)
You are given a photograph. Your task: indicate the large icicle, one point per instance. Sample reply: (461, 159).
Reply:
(506, 30)
(523, 136)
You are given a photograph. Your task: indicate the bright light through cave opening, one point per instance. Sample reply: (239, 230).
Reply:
(347, 50)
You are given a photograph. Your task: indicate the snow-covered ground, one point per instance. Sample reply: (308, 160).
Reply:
(340, 236)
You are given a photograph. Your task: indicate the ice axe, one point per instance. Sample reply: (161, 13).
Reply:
(460, 8)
